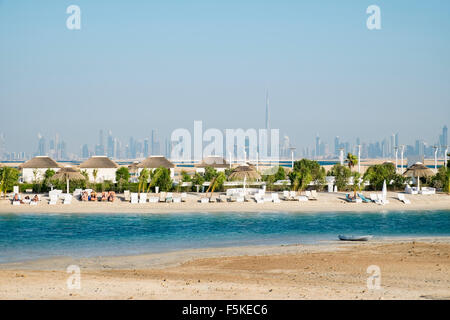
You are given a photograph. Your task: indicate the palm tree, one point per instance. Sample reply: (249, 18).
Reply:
(94, 174)
(352, 160)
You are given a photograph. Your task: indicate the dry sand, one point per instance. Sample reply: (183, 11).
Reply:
(327, 202)
(410, 269)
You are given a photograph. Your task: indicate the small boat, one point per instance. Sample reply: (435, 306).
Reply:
(354, 238)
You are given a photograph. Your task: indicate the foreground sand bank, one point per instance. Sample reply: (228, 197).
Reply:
(327, 202)
(410, 269)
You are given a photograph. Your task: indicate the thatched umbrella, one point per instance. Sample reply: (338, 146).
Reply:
(68, 174)
(247, 172)
(418, 170)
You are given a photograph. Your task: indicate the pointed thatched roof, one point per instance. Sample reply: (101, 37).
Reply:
(241, 172)
(418, 169)
(97, 162)
(40, 162)
(213, 161)
(68, 173)
(156, 162)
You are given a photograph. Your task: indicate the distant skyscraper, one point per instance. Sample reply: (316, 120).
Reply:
(110, 145)
(155, 143)
(42, 151)
(146, 148)
(336, 146)
(318, 146)
(443, 139)
(267, 109)
(85, 151)
(2, 146)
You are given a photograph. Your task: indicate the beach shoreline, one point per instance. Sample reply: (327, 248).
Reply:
(327, 202)
(411, 268)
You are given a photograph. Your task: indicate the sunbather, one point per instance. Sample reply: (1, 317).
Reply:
(104, 197)
(93, 196)
(84, 196)
(35, 198)
(111, 196)
(16, 198)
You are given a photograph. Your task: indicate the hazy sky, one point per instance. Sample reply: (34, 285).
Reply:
(138, 65)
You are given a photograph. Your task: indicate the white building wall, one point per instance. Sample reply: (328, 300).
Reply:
(28, 174)
(103, 174)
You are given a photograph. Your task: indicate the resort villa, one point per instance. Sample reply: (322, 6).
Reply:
(34, 169)
(216, 162)
(154, 162)
(104, 167)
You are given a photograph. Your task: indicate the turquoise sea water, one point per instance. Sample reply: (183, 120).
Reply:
(31, 236)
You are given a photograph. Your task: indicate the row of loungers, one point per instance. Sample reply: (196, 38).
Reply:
(264, 197)
(375, 198)
(166, 197)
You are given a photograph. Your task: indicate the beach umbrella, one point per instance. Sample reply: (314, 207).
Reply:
(418, 170)
(247, 172)
(384, 190)
(68, 174)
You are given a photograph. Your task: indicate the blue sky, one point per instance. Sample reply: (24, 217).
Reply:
(138, 65)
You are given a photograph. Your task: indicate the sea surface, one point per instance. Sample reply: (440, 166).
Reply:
(33, 236)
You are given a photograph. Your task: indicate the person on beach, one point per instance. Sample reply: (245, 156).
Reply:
(16, 198)
(111, 196)
(84, 196)
(93, 196)
(35, 198)
(104, 197)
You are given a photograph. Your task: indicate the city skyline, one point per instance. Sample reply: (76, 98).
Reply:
(137, 66)
(142, 147)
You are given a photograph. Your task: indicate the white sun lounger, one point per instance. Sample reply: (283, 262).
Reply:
(53, 199)
(134, 198)
(153, 199)
(204, 200)
(402, 198)
(68, 199)
(183, 197)
(143, 198)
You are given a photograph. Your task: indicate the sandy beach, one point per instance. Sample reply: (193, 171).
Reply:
(327, 202)
(409, 269)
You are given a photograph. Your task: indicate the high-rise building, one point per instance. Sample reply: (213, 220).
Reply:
(443, 138)
(146, 148)
(267, 109)
(42, 151)
(155, 143)
(336, 146)
(2, 146)
(85, 151)
(110, 145)
(317, 146)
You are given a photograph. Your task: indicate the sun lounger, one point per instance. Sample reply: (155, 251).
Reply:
(143, 198)
(363, 198)
(153, 199)
(126, 195)
(411, 190)
(183, 197)
(53, 199)
(67, 199)
(427, 191)
(302, 198)
(16, 203)
(134, 198)
(204, 200)
(292, 195)
(381, 200)
(313, 195)
(402, 198)
(176, 199)
(162, 197)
